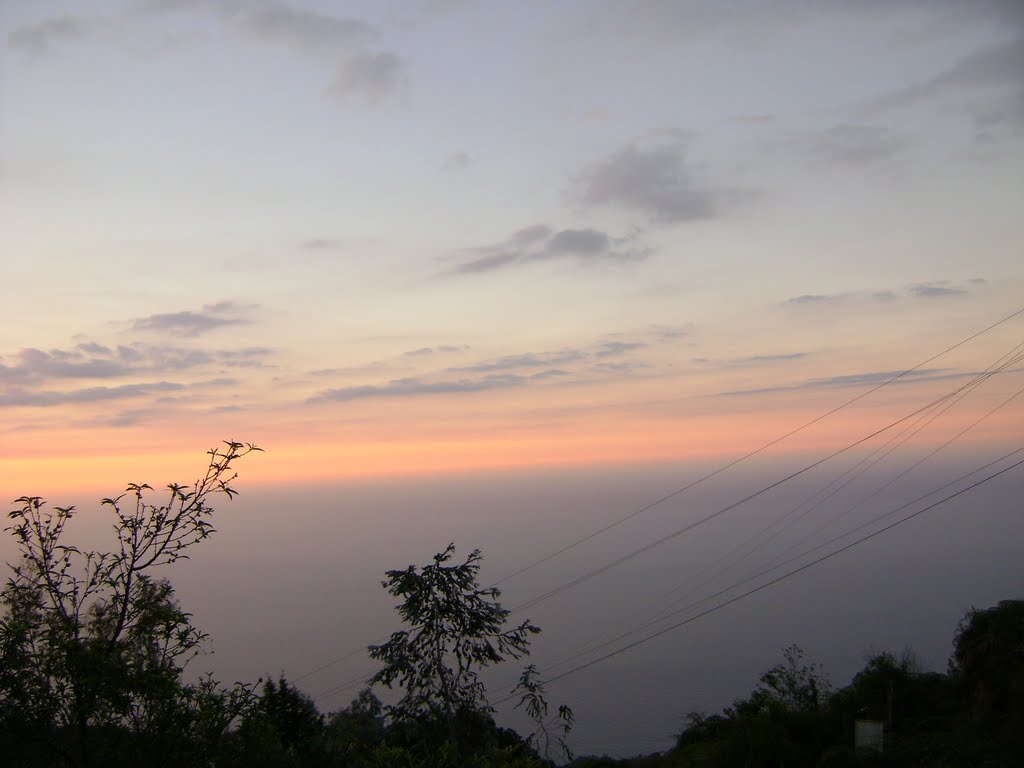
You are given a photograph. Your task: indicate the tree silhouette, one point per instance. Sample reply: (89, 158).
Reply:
(548, 730)
(794, 684)
(93, 644)
(455, 629)
(988, 663)
(290, 713)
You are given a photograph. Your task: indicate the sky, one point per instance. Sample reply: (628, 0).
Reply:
(568, 254)
(403, 238)
(386, 238)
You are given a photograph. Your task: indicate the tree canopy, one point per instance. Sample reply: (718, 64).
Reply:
(93, 643)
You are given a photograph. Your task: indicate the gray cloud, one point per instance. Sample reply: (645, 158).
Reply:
(496, 373)
(91, 360)
(190, 324)
(346, 43)
(935, 290)
(990, 77)
(527, 360)
(22, 397)
(168, 358)
(131, 354)
(616, 348)
(94, 348)
(756, 119)
(600, 351)
(301, 30)
(656, 181)
(751, 360)
(35, 364)
(619, 368)
(550, 373)
(86, 361)
(817, 298)
(853, 380)
(853, 144)
(441, 348)
(535, 233)
(39, 39)
(579, 241)
(883, 296)
(184, 323)
(587, 245)
(321, 244)
(378, 367)
(415, 387)
(488, 263)
(678, 22)
(998, 63)
(992, 73)
(247, 357)
(669, 332)
(550, 360)
(540, 243)
(758, 359)
(369, 76)
(457, 161)
(228, 306)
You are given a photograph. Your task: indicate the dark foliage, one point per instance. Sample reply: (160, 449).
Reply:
(970, 717)
(455, 629)
(93, 644)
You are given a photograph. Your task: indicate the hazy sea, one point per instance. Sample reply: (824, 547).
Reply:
(292, 578)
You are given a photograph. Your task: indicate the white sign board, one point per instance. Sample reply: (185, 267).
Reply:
(867, 735)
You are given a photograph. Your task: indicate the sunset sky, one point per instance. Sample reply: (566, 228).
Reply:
(505, 272)
(402, 237)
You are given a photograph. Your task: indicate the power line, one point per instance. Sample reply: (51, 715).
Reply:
(863, 466)
(724, 510)
(329, 664)
(363, 679)
(768, 584)
(671, 611)
(773, 566)
(702, 479)
(905, 472)
(1000, 365)
(754, 452)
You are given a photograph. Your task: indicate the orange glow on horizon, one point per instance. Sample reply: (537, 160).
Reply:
(600, 440)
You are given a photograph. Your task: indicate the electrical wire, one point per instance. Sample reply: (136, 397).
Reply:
(724, 510)
(364, 679)
(773, 566)
(754, 452)
(843, 480)
(1003, 363)
(703, 478)
(768, 584)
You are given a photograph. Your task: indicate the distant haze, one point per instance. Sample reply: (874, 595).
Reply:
(292, 580)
